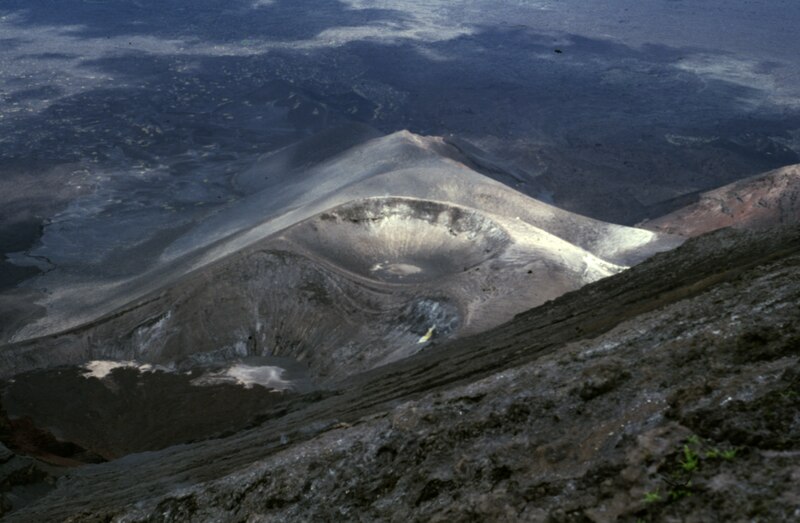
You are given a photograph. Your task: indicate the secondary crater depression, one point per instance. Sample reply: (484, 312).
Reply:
(402, 240)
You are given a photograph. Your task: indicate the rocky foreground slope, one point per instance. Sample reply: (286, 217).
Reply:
(669, 392)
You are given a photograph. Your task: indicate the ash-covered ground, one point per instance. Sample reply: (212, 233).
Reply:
(351, 260)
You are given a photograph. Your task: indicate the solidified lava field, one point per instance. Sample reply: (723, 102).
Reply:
(349, 260)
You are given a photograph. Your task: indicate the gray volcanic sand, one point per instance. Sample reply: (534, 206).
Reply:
(338, 276)
(400, 165)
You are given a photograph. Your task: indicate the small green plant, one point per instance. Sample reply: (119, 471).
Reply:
(652, 497)
(680, 491)
(727, 455)
(690, 459)
(678, 476)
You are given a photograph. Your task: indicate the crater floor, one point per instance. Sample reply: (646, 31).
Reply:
(403, 240)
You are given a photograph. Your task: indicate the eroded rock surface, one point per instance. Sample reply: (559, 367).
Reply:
(759, 202)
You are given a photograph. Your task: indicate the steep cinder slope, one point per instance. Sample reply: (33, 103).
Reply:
(401, 165)
(667, 392)
(762, 201)
(359, 259)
